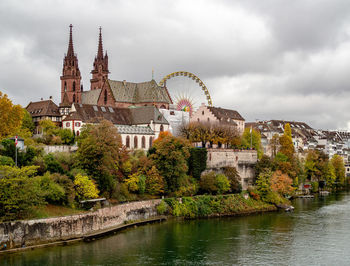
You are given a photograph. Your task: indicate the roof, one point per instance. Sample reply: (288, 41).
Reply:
(65, 102)
(142, 92)
(91, 96)
(125, 129)
(225, 114)
(120, 116)
(144, 114)
(43, 108)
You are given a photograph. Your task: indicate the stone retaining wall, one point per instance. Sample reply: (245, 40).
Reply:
(34, 232)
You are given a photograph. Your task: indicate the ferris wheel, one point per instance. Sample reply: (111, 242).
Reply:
(184, 103)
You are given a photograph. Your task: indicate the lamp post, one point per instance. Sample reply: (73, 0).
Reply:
(16, 142)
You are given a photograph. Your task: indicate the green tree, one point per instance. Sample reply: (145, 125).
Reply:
(66, 136)
(222, 183)
(170, 155)
(154, 182)
(51, 191)
(100, 154)
(197, 162)
(252, 136)
(85, 187)
(27, 121)
(234, 178)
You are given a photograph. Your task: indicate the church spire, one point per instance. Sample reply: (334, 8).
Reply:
(100, 47)
(70, 51)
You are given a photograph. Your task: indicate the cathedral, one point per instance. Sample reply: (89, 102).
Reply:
(136, 109)
(104, 91)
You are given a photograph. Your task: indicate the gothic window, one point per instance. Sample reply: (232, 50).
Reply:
(150, 141)
(135, 142)
(65, 86)
(73, 85)
(73, 98)
(161, 128)
(143, 142)
(127, 141)
(105, 97)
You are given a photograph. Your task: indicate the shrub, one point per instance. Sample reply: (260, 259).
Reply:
(142, 184)
(281, 183)
(154, 182)
(314, 186)
(85, 188)
(208, 182)
(233, 176)
(162, 208)
(222, 183)
(68, 186)
(51, 191)
(188, 187)
(52, 165)
(5, 160)
(132, 182)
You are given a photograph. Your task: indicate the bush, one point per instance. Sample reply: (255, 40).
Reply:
(52, 165)
(68, 186)
(162, 208)
(208, 182)
(85, 188)
(222, 184)
(314, 186)
(188, 187)
(5, 160)
(154, 182)
(233, 176)
(132, 182)
(51, 191)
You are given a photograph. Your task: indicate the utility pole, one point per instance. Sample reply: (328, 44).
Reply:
(16, 142)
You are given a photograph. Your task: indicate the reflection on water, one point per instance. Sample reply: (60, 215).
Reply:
(317, 233)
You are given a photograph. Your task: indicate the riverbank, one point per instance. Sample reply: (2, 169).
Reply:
(213, 206)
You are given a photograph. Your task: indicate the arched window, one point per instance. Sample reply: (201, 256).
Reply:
(161, 128)
(127, 141)
(73, 85)
(105, 97)
(135, 142)
(143, 142)
(73, 98)
(150, 141)
(65, 86)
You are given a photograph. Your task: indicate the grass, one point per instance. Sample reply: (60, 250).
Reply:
(53, 211)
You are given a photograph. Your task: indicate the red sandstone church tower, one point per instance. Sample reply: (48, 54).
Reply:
(100, 71)
(70, 79)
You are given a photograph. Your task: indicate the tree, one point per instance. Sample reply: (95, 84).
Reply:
(339, 168)
(197, 162)
(274, 145)
(10, 116)
(154, 182)
(66, 136)
(281, 183)
(286, 143)
(85, 187)
(252, 136)
(234, 178)
(100, 154)
(27, 121)
(170, 155)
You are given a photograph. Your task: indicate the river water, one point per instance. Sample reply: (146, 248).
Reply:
(316, 233)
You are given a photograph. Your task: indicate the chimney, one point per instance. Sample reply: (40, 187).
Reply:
(41, 99)
(50, 97)
(124, 82)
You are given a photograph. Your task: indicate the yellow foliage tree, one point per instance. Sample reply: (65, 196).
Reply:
(85, 187)
(10, 116)
(281, 183)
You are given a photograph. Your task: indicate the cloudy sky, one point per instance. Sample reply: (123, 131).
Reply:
(267, 59)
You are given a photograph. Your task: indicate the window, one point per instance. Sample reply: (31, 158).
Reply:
(161, 128)
(135, 142)
(143, 142)
(150, 141)
(105, 97)
(103, 109)
(111, 109)
(67, 124)
(202, 112)
(65, 86)
(73, 98)
(78, 132)
(95, 108)
(73, 86)
(127, 141)
(208, 119)
(198, 119)
(77, 124)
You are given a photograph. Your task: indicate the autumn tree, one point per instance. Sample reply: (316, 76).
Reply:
(339, 169)
(274, 145)
(100, 154)
(286, 142)
(170, 155)
(281, 183)
(10, 116)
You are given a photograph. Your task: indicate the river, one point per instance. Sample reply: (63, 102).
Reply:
(316, 233)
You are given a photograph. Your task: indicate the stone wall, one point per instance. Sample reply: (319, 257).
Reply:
(33, 232)
(243, 160)
(59, 148)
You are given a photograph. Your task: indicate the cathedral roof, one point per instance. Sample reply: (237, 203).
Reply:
(43, 108)
(142, 92)
(125, 129)
(119, 116)
(90, 97)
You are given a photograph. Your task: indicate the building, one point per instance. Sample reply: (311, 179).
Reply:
(44, 109)
(210, 114)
